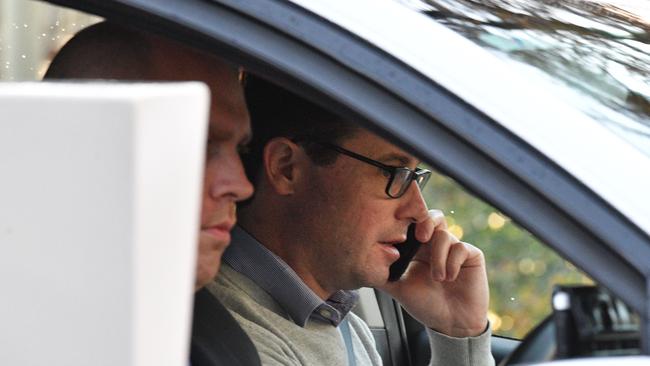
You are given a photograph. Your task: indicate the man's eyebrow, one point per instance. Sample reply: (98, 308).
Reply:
(395, 157)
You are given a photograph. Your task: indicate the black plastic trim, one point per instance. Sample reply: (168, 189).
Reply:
(381, 343)
(391, 313)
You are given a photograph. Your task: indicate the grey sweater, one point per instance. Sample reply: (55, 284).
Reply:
(281, 342)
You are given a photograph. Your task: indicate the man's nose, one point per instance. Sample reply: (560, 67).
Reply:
(232, 182)
(413, 207)
(242, 188)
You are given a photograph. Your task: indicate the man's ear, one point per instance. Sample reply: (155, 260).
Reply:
(282, 164)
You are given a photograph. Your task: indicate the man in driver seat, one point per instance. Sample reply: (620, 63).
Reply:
(328, 208)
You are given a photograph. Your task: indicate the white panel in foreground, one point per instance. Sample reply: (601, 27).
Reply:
(99, 213)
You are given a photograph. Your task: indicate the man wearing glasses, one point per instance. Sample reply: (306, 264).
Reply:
(331, 202)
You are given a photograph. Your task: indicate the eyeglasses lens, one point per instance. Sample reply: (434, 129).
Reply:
(422, 179)
(400, 183)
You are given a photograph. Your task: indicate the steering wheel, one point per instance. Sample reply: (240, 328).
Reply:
(538, 346)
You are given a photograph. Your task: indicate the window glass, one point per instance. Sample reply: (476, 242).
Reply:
(521, 270)
(593, 54)
(31, 32)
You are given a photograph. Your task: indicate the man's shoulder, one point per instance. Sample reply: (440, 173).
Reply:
(267, 340)
(241, 295)
(249, 305)
(275, 335)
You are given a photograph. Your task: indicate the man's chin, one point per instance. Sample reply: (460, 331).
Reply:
(206, 276)
(373, 280)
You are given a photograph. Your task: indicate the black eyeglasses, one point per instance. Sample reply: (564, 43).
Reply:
(400, 178)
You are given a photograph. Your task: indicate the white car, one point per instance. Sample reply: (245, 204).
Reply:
(540, 108)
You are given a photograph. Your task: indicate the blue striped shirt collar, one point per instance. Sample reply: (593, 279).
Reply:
(249, 257)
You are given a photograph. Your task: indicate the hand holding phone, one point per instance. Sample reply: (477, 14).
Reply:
(440, 281)
(407, 251)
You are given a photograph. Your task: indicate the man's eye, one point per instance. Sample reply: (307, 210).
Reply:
(212, 147)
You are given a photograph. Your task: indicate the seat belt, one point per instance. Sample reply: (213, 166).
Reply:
(347, 338)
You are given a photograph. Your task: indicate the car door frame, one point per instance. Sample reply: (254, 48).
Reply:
(311, 55)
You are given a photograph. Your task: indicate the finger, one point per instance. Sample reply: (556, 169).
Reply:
(424, 230)
(438, 218)
(440, 245)
(435, 220)
(458, 254)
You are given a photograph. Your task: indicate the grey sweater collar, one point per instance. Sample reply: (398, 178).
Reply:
(251, 258)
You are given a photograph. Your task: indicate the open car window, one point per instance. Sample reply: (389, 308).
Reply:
(31, 32)
(522, 271)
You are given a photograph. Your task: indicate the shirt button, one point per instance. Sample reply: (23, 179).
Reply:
(325, 313)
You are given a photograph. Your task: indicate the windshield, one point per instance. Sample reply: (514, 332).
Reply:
(595, 55)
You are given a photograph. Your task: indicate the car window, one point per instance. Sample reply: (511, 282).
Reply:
(31, 32)
(521, 270)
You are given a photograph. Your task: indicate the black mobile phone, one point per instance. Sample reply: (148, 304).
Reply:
(407, 251)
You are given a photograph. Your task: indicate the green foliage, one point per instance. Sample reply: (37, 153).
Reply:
(521, 270)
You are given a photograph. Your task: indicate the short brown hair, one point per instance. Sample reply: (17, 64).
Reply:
(277, 112)
(103, 51)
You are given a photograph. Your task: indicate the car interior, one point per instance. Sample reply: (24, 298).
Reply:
(547, 301)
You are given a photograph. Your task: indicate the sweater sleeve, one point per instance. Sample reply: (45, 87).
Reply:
(467, 351)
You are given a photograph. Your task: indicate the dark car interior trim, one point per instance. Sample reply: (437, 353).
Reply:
(306, 53)
(398, 349)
